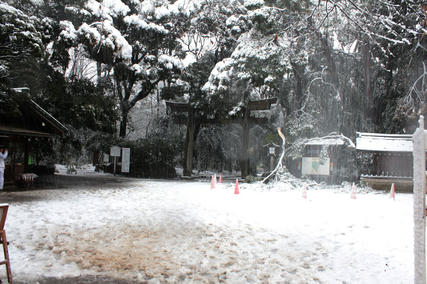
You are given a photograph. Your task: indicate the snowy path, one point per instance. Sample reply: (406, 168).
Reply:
(184, 232)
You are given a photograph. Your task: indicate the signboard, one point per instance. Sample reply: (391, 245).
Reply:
(125, 160)
(315, 166)
(115, 151)
(272, 150)
(106, 158)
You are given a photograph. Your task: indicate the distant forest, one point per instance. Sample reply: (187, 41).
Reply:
(105, 68)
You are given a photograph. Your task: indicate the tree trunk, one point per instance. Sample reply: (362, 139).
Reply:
(336, 111)
(123, 124)
(380, 102)
(367, 78)
(299, 89)
(99, 72)
(244, 158)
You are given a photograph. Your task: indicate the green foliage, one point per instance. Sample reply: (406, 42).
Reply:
(73, 148)
(265, 20)
(90, 108)
(68, 148)
(272, 137)
(43, 151)
(9, 107)
(252, 179)
(21, 46)
(153, 157)
(210, 148)
(195, 77)
(78, 103)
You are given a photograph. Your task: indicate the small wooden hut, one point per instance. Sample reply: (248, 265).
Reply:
(329, 158)
(22, 121)
(388, 158)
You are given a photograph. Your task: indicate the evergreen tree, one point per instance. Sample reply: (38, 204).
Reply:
(138, 42)
(21, 47)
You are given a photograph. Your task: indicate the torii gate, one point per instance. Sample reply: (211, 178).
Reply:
(243, 118)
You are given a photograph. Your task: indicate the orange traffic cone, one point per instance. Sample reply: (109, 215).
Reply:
(220, 178)
(353, 191)
(392, 191)
(304, 193)
(213, 182)
(236, 189)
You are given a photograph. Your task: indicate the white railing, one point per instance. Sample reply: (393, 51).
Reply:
(419, 193)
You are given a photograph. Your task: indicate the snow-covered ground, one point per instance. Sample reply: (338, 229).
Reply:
(186, 232)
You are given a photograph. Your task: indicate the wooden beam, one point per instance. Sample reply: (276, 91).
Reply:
(250, 120)
(60, 128)
(22, 132)
(178, 107)
(261, 104)
(252, 105)
(182, 119)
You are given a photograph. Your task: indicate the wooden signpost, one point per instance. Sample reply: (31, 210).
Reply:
(115, 152)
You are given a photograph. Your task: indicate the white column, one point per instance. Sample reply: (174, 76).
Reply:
(419, 190)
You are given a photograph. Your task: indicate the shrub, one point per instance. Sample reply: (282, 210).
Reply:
(153, 157)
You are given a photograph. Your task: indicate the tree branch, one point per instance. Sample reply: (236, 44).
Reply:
(279, 162)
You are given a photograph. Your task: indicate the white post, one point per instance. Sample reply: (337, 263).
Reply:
(419, 191)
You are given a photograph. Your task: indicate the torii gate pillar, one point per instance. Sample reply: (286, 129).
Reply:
(244, 156)
(189, 144)
(246, 121)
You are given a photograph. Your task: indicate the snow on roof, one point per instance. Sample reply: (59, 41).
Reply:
(384, 142)
(325, 141)
(331, 140)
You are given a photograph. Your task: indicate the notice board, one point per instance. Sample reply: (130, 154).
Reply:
(125, 160)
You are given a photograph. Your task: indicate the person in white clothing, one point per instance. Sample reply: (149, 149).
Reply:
(3, 156)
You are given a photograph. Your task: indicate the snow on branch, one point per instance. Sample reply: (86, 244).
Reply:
(107, 9)
(170, 62)
(417, 95)
(68, 32)
(383, 21)
(106, 35)
(140, 23)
